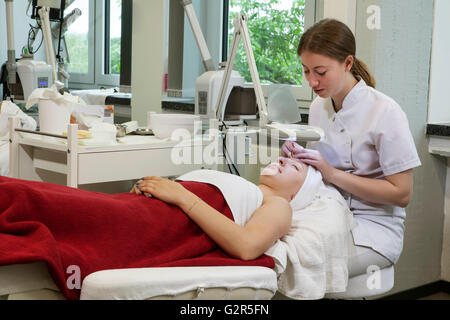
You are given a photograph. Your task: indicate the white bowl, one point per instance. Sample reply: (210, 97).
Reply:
(164, 124)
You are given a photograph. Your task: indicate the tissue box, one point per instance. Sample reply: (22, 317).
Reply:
(87, 115)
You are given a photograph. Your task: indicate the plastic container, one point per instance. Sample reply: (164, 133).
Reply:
(53, 118)
(164, 124)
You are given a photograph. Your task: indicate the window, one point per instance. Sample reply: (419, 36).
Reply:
(79, 40)
(275, 28)
(94, 43)
(184, 53)
(112, 36)
(108, 32)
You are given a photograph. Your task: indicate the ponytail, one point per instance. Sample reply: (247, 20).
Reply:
(361, 71)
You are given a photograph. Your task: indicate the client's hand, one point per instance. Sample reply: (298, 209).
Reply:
(166, 190)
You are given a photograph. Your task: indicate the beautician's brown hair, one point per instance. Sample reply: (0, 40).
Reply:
(332, 38)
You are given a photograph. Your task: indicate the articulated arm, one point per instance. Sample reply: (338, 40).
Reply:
(11, 65)
(206, 56)
(241, 30)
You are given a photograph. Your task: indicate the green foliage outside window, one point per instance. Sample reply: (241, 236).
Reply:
(78, 48)
(79, 53)
(115, 56)
(274, 34)
(77, 45)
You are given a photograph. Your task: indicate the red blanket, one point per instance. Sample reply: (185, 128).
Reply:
(94, 231)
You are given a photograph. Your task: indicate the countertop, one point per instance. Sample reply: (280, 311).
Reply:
(439, 129)
(183, 105)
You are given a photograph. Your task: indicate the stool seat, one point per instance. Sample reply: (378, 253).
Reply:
(367, 285)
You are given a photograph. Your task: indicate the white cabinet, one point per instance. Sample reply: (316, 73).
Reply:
(36, 157)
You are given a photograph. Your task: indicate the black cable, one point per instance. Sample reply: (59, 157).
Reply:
(32, 30)
(61, 20)
(226, 153)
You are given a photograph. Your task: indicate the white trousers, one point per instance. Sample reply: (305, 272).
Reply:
(361, 258)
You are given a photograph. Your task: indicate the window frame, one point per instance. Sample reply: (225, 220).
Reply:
(100, 59)
(303, 93)
(96, 48)
(89, 77)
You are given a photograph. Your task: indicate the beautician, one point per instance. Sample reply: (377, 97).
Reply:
(368, 151)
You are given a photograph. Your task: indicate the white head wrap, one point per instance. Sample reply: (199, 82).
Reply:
(308, 191)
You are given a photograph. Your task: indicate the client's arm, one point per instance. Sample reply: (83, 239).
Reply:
(268, 224)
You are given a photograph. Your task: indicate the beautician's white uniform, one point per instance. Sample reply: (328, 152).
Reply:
(368, 137)
(9, 109)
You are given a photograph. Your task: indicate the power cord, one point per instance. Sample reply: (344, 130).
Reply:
(225, 153)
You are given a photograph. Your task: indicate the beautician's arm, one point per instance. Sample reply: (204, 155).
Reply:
(268, 224)
(392, 190)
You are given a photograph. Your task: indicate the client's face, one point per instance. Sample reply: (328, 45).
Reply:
(286, 174)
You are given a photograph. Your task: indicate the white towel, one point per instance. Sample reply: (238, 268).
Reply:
(311, 259)
(242, 196)
(317, 243)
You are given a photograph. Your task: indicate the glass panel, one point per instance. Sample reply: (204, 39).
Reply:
(275, 28)
(77, 38)
(115, 29)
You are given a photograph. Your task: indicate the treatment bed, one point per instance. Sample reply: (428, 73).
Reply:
(33, 282)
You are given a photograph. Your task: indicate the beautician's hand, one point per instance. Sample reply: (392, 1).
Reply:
(291, 149)
(166, 190)
(315, 159)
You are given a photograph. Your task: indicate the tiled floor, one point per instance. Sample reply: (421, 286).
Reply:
(437, 296)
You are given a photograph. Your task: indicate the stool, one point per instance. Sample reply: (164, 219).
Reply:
(367, 285)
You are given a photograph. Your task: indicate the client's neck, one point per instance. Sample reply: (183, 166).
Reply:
(270, 192)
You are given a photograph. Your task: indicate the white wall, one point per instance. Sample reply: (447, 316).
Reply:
(147, 58)
(445, 274)
(439, 109)
(342, 10)
(399, 54)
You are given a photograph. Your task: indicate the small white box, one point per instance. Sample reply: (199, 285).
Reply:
(85, 115)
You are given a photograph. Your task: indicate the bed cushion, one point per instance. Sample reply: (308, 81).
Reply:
(148, 283)
(25, 277)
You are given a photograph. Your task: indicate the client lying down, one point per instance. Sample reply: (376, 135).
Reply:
(205, 218)
(262, 214)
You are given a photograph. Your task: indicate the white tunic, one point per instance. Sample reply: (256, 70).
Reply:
(368, 137)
